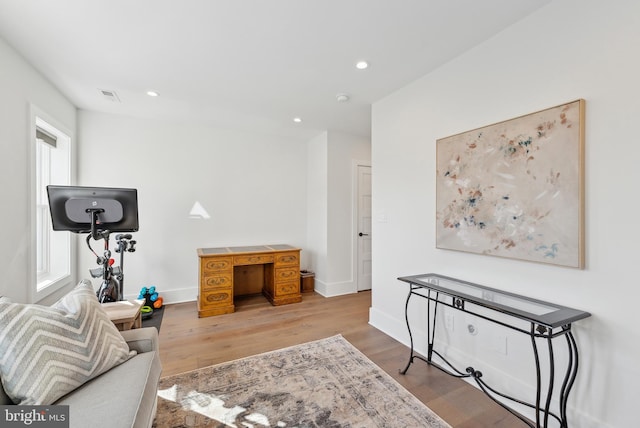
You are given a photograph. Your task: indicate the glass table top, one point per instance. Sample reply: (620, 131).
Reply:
(490, 296)
(517, 305)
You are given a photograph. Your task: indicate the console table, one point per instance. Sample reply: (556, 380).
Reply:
(536, 318)
(226, 272)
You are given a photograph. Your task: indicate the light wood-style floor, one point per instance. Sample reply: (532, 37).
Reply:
(188, 342)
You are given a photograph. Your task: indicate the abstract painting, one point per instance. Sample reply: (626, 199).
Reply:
(515, 188)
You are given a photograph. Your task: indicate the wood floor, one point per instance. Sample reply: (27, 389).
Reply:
(188, 342)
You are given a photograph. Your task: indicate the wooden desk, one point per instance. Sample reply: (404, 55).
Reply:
(125, 314)
(229, 271)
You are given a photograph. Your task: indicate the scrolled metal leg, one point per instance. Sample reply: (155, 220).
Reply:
(406, 317)
(538, 376)
(551, 379)
(570, 377)
(431, 324)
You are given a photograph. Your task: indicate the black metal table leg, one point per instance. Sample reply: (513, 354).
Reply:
(538, 375)
(431, 324)
(570, 376)
(406, 317)
(552, 373)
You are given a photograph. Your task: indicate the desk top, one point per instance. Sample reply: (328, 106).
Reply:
(527, 308)
(246, 249)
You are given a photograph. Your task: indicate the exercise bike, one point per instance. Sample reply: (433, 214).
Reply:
(112, 286)
(99, 211)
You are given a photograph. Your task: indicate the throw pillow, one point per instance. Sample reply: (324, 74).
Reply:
(47, 352)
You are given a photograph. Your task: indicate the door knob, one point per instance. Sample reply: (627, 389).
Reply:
(363, 234)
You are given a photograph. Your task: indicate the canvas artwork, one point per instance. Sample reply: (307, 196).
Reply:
(515, 189)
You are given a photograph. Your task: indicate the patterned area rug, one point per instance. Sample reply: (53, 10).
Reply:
(326, 383)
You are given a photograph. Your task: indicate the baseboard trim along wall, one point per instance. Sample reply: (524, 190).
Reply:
(179, 295)
(333, 289)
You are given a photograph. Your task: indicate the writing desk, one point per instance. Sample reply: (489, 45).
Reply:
(546, 321)
(229, 271)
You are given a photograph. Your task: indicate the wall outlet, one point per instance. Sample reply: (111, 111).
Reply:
(472, 329)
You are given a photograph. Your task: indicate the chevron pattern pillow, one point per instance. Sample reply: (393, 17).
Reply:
(47, 352)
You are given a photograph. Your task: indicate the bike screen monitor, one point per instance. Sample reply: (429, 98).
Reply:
(93, 209)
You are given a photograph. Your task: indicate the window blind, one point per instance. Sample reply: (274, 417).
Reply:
(45, 136)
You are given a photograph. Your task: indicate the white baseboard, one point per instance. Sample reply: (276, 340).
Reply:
(179, 295)
(389, 325)
(334, 288)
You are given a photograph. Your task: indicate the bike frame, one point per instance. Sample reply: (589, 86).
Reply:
(110, 290)
(112, 286)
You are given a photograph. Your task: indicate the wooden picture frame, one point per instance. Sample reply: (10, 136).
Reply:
(515, 188)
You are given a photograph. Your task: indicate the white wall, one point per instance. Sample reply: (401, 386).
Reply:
(344, 150)
(330, 206)
(257, 189)
(21, 86)
(252, 185)
(569, 49)
(317, 191)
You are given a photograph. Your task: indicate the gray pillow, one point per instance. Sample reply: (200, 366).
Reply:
(47, 352)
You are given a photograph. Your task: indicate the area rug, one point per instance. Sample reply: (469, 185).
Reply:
(325, 383)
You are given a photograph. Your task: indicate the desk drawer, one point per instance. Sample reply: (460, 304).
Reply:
(288, 259)
(287, 274)
(222, 297)
(221, 280)
(256, 259)
(216, 264)
(289, 287)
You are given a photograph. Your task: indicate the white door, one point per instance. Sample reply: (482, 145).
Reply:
(364, 227)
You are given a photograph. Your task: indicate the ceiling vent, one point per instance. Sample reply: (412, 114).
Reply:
(110, 95)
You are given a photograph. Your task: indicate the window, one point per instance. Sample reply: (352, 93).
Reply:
(52, 149)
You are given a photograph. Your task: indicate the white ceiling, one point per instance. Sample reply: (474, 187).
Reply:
(253, 64)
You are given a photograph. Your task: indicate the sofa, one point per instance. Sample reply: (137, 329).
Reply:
(117, 393)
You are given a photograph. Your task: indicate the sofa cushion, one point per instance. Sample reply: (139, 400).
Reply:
(125, 396)
(46, 352)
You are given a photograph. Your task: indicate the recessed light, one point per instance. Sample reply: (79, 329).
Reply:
(342, 98)
(297, 119)
(361, 65)
(152, 93)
